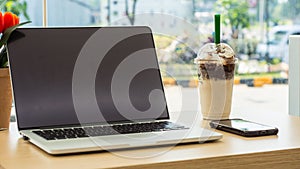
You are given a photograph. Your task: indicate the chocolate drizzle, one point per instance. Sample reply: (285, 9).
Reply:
(216, 61)
(216, 71)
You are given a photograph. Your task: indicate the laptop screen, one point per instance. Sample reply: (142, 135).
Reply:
(71, 76)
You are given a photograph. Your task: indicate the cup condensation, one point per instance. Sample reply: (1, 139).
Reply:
(216, 65)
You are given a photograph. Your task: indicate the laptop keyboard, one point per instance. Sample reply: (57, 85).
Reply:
(93, 131)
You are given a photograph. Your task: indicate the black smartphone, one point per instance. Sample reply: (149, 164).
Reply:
(243, 127)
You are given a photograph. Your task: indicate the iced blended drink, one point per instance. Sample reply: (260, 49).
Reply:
(216, 64)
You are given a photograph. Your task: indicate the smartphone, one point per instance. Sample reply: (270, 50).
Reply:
(243, 127)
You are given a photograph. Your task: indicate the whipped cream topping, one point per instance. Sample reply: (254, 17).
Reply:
(221, 53)
(225, 51)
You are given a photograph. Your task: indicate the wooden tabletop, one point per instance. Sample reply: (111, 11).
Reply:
(231, 151)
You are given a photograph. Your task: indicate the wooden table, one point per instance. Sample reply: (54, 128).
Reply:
(281, 151)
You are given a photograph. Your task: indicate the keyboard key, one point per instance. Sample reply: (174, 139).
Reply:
(47, 136)
(80, 132)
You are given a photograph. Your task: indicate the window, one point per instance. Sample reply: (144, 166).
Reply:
(181, 27)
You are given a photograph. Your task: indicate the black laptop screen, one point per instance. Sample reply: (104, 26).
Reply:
(70, 76)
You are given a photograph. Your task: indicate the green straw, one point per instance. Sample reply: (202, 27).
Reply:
(217, 28)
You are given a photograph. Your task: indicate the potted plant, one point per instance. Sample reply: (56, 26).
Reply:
(8, 23)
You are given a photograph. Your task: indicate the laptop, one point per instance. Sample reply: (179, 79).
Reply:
(93, 88)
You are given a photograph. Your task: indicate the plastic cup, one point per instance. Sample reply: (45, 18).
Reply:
(216, 65)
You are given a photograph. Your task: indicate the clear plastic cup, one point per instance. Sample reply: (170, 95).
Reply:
(216, 65)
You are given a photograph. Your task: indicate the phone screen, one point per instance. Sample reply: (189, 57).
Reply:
(244, 125)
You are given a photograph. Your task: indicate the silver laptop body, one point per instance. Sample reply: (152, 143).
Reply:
(90, 89)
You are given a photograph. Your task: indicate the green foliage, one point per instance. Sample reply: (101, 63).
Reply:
(16, 6)
(275, 61)
(234, 13)
(4, 38)
(3, 58)
(274, 11)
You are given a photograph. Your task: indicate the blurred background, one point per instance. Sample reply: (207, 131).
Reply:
(257, 30)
